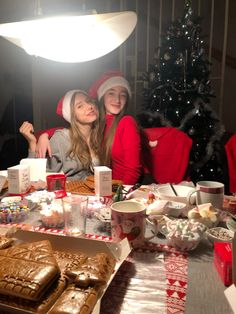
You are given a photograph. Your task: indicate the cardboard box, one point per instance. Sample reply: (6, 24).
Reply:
(223, 261)
(103, 181)
(72, 244)
(18, 179)
(37, 168)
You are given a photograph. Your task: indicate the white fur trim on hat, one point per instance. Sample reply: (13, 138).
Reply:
(112, 82)
(66, 110)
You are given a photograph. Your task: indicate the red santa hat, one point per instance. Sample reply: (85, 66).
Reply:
(107, 81)
(63, 106)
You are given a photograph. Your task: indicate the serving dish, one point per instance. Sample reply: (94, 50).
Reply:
(219, 234)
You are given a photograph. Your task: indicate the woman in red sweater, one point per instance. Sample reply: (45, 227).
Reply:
(121, 143)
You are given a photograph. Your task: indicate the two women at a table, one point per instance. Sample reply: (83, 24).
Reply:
(96, 135)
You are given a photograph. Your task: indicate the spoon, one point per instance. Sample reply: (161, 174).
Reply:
(173, 189)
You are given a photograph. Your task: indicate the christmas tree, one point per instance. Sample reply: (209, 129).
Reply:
(178, 92)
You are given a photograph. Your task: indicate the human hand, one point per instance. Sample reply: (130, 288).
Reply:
(27, 130)
(43, 146)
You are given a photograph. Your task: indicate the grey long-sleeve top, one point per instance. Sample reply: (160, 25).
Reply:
(60, 161)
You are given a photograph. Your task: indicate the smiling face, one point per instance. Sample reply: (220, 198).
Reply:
(84, 110)
(115, 100)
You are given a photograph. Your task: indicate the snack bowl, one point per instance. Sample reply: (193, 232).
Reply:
(184, 235)
(183, 244)
(159, 222)
(219, 234)
(231, 224)
(174, 209)
(52, 214)
(183, 192)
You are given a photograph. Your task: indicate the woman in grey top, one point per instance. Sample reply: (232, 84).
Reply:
(74, 150)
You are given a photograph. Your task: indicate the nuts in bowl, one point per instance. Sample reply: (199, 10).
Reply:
(220, 234)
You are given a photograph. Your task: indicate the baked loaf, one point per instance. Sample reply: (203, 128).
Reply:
(75, 300)
(27, 270)
(96, 270)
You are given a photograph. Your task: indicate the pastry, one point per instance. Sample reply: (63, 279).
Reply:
(5, 242)
(95, 271)
(75, 300)
(68, 260)
(39, 307)
(27, 270)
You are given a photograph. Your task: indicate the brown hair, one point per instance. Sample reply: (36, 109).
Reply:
(79, 147)
(106, 143)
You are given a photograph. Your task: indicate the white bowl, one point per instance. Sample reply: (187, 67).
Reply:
(174, 209)
(231, 224)
(165, 192)
(183, 245)
(220, 234)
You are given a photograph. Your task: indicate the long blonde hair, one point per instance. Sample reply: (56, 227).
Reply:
(106, 143)
(79, 147)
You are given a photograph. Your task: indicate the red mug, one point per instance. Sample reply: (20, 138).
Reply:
(56, 182)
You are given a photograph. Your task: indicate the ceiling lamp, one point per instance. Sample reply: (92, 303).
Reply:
(72, 38)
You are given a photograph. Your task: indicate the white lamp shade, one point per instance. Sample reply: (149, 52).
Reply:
(71, 38)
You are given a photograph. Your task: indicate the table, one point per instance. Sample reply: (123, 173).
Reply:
(205, 290)
(141, 286)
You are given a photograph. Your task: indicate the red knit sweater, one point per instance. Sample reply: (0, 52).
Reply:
(126, 150)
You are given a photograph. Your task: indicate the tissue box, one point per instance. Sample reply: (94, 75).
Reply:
(103, 181)
(18, 179)
(223, 261)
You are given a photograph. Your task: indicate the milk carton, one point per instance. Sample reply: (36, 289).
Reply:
(18, 179)
(103, 181)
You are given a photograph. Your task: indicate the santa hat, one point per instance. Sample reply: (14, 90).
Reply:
(107, 81)
(63, 106)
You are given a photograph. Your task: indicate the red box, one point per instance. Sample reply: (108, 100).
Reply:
(223, 261)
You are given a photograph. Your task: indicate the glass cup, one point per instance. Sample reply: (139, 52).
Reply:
(75, 213)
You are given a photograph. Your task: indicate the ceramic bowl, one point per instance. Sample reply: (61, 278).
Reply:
(219, 234)
(165, 192)
(231, 224)
(183, 245)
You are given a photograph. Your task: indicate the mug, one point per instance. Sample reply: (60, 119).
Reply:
(56, 182)
(128, 219)
(210, 192)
